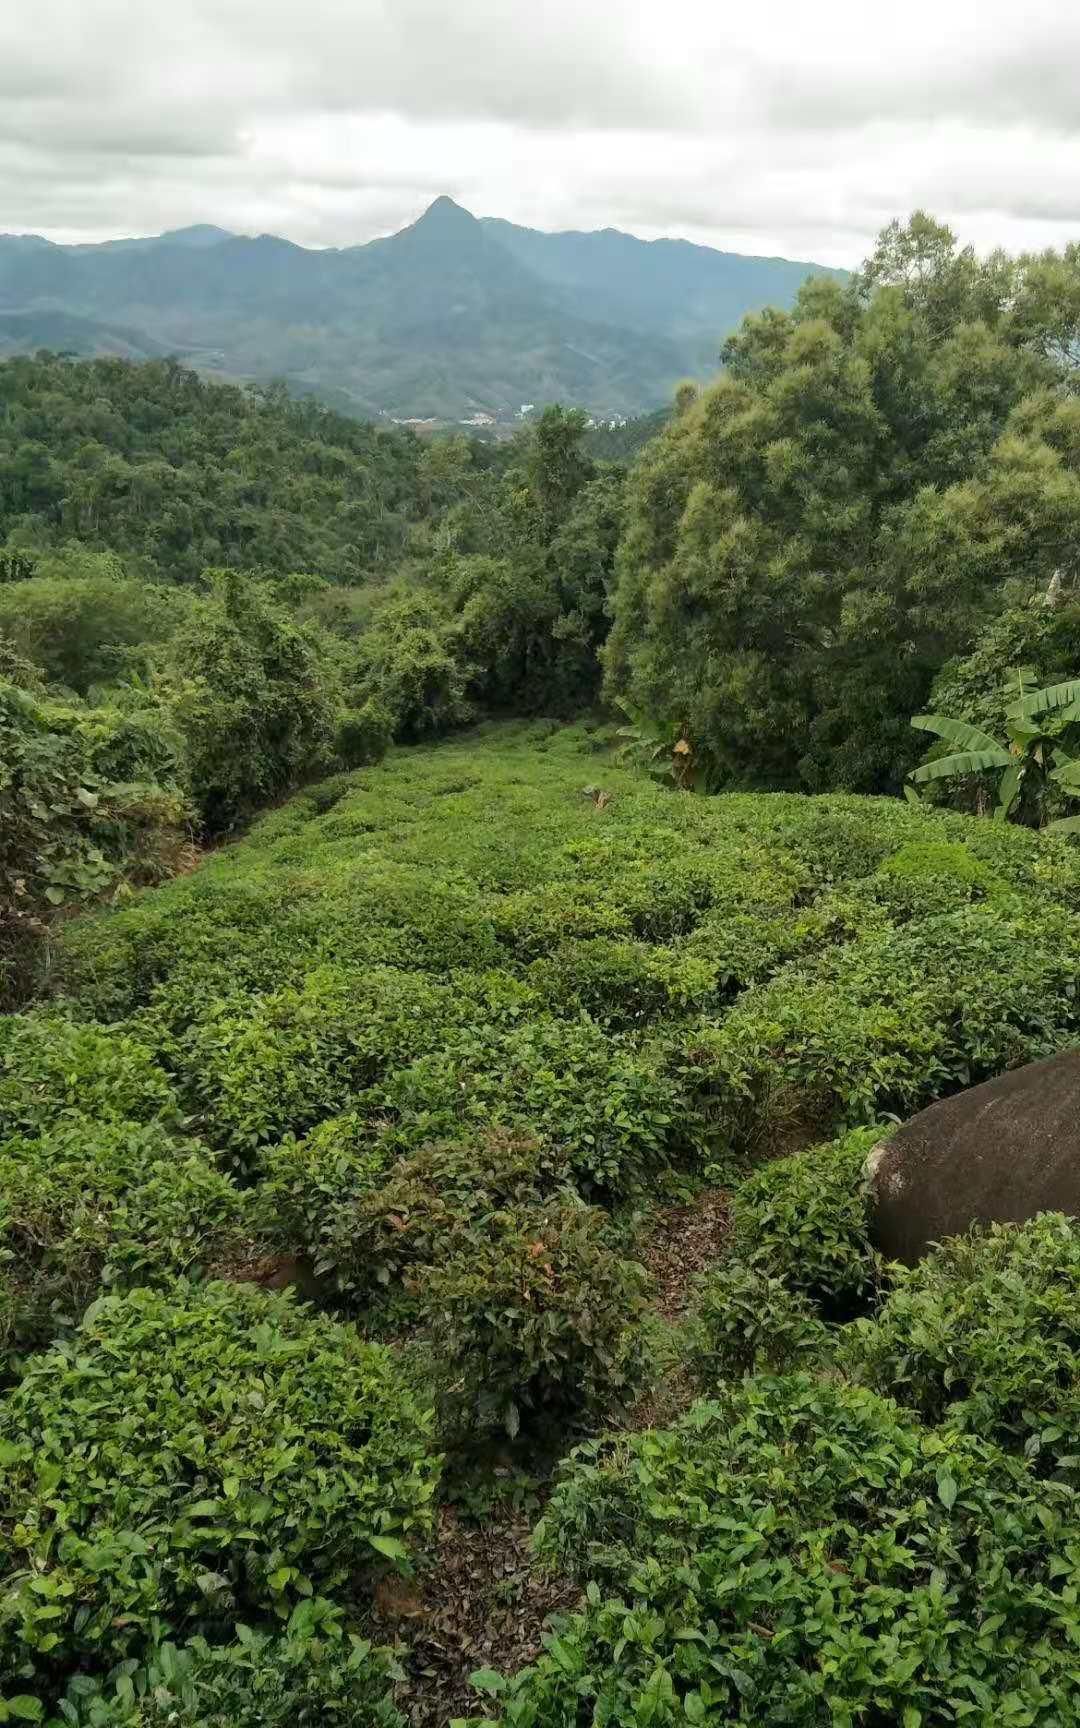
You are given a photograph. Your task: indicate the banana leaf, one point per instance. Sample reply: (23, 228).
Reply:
(1066, 774)
(963, 735)
(1008, 787)
(1048, 701)
(964, 762)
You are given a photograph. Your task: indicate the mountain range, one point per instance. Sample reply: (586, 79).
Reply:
(455, 317)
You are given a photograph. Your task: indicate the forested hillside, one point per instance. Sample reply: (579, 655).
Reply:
(153, 462)
(449, 316)
(461, 937)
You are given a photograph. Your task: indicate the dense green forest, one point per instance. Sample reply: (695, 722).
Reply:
(461, 935)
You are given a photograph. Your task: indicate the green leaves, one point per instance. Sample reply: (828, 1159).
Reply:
(390, 1547)
(967, 738)
(534, 1319)
(1036, 703)
(143, 1435)
(793, 1534)
(1037, 759)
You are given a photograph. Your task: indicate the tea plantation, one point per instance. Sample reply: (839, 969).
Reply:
(331, 1177)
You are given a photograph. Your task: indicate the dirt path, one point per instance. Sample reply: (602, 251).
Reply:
(684, 1241)
(481, 1604)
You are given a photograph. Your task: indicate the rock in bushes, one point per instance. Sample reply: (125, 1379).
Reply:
(997, 1153)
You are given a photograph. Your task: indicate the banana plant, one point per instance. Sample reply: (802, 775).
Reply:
(663, 758)
(1033, 758)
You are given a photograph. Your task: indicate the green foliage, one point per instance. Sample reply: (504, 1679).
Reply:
(802, 1220)
(980, 686)
(82, 618)
(803, 1551)
(257, 1071)
(368, 1224)
(984, 1334)
(92, 1202)
(606, 1106)
(883, 1025)
(813, 538)
(246, 688)
(746, 1321)
(363, 736)
(201, 1453)
(1043, 728)
(313, 1672)
(534, 1319)
(153, 462)
(54, 1072)
(407, 666)
(456, 1024)
(87, 801)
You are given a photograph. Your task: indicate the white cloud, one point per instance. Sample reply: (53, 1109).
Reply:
(775, 128)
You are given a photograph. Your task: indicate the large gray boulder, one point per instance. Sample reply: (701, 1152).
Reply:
(998, 1153)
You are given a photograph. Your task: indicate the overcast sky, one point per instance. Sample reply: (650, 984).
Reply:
(779, 126)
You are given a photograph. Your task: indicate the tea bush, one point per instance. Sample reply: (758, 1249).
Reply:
(803, 1221)
(283, 1063)
(744, 1321)
(313, 1672)
(607, 1104)
(804, 1552)
(985, 1334)
(197, 1455)
(54, 1070)
(888, 1023)
(534, 1320)
(91, 1202)
(368, 1224)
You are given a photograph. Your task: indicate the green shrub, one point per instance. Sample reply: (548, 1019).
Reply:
(91, 1202)
(257, 1071)
(366, 1225)
(252, 694)
(88, 799)
(54, 1070)
(605, 1104)
(313, 1672)
(364, 735)
(746, 1322)
(804, 1552)
(624, 983)
(985, 1335)
(886, 1024)
(803, 1220)
(534, 1319)
(196, 1454)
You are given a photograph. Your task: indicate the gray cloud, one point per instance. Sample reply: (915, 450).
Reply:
(777, 128)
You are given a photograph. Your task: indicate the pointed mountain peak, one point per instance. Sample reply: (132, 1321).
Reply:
(444, 214)
(197, 234)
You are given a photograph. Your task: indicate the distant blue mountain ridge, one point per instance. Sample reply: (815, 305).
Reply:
(452, 318)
